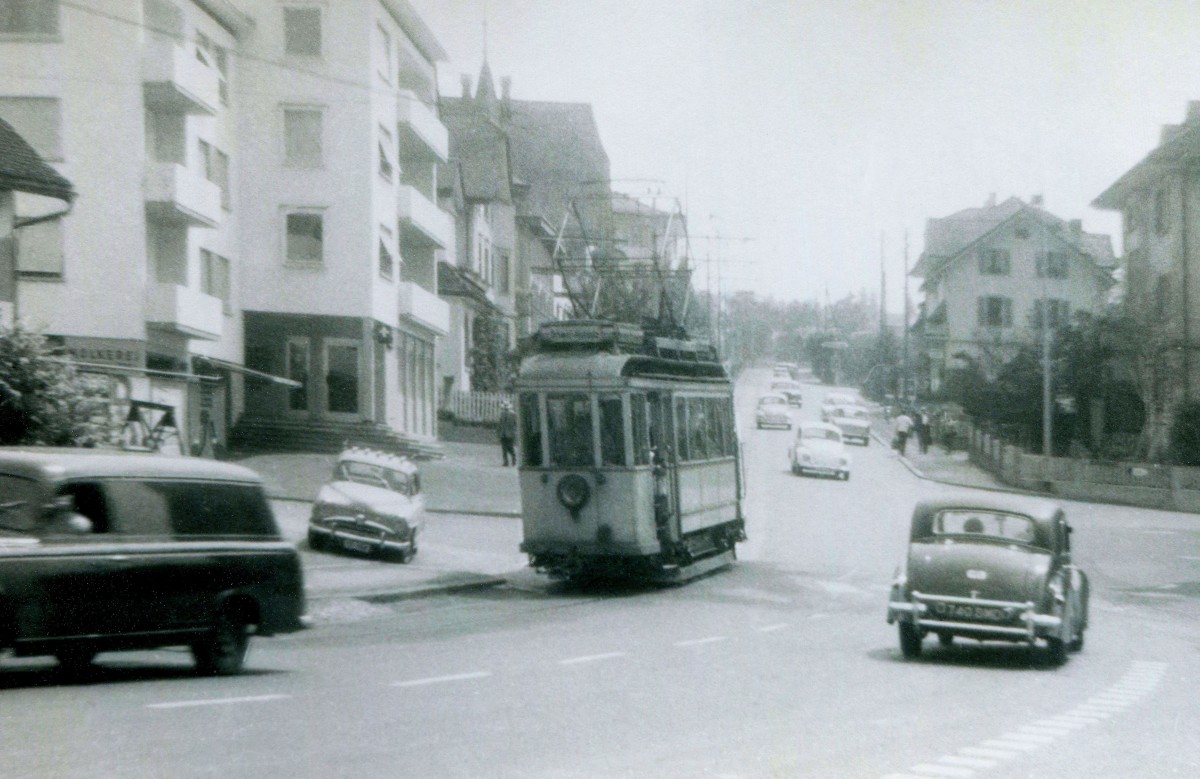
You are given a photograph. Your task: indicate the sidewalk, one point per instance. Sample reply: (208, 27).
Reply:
(952, 468)
(470, 540)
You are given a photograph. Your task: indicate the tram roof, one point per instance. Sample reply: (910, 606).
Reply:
(571, 366)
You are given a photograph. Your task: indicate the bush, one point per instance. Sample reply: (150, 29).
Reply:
(1185, 434)
(43, 400)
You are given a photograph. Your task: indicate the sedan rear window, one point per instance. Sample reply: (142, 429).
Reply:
(1010, 527)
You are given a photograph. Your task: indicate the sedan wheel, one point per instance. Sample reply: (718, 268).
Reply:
(946, 639)
(910, 640)
(1056, 651)
(223, 651)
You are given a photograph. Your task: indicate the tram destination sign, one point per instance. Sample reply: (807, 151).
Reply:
(589, 333)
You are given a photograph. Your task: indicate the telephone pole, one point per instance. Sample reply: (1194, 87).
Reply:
(904, 377)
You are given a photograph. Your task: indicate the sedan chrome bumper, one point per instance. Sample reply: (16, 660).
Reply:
(1031, 625)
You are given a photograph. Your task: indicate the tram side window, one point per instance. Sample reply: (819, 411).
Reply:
(531, 430)
(716, 444)
(569, 421)
(698, 428)
(681, 430)
(612, 431)
(637, 424)
(725, 417)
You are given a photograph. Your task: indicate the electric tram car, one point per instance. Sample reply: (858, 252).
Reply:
(630, 464)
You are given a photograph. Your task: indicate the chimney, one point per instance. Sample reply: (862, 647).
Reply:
(466, 86)
(1169, 131)
(1193, 112)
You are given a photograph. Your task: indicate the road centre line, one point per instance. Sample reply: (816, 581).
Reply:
(699, 641)
(933, 769)
(439, 679)
(968, 762)
(217, 701)
(772, 628)
(998, 743)
(592, 658)
(998, 754)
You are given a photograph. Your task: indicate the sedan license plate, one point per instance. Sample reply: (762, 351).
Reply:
(356, 546)
(964, 611)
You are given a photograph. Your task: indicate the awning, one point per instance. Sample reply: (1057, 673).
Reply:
(110, 368)
(242, 369)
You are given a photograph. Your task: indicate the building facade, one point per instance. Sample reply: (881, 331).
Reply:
(257, 232)
(994, 276)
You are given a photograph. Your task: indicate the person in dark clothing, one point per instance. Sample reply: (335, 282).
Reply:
(507, 431)
(924, 430)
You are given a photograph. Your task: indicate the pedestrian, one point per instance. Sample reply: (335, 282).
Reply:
(904, 426)
(924, 430)
(507, 430)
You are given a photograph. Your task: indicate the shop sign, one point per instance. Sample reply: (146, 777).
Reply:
(123, 352)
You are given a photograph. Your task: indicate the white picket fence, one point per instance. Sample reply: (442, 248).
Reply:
(475, 406)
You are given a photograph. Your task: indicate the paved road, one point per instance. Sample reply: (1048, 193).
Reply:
(781, 666)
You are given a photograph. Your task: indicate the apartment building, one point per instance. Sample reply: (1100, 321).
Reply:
(994, 276)
(340, 146)
(256, 233)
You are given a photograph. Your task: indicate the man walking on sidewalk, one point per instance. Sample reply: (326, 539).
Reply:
(507, 430)
(904, 425)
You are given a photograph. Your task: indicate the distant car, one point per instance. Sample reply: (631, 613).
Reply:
(990, 567)
(833, 400)
(789, 389)
(105, 551)
(773, 411)
(372, 505)
(819, 449)
(781, 371)
(854, 422)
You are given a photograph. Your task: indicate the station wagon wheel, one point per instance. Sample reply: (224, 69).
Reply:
(223, 651)
(910, 640)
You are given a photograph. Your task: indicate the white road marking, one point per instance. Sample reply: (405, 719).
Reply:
(1032, 738)
(772, 628)
(1041, 730)
(699, 641)
(439, 679)
(1157, 532)
(1006, 744)
(933, 769)
(969, 762)
(216, 701)
(1193, 558)
(592, 658)
(1067, 723)
(999, 754)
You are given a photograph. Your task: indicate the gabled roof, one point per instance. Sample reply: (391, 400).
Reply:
(22, 170)
(1180, 146)
(950, 237)
(480, 147)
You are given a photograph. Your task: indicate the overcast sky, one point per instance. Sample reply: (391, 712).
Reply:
(815, 126)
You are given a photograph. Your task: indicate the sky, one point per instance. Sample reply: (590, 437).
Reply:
(809, 141)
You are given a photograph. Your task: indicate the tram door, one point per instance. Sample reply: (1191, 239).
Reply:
(666, 476)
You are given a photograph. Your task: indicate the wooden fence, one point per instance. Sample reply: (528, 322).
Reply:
(475, 407)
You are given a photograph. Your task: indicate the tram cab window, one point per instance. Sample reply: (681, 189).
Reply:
(637, 424)
(612, 431)
(698, 428)
(569, 428)
(531, 429)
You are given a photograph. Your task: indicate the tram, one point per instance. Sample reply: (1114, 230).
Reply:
(630, 464)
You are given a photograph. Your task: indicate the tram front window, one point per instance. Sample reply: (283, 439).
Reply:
(531, 430)
(569, 422)
(612, 431)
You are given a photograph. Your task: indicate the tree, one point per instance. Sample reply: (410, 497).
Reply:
(43, 400)
(492, 367)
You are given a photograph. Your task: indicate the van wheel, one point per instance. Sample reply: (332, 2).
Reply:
(223, 651)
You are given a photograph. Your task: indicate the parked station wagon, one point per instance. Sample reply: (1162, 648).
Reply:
(104, 551)
(371, 505)
(990, 568)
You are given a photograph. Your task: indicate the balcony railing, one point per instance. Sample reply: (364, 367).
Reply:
(426, 222)
(177, 194)
(185, 311)
(175, 80)
(424, 308)
(420, 128)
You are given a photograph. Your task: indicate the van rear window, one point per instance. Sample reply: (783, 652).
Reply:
(186, 508)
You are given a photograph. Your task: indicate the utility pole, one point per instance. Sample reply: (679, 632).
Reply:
(904, 375)
(1047, 408)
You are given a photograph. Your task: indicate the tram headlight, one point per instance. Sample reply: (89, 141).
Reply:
(573, 492)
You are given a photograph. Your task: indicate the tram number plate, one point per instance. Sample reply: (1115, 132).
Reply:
(356, 546)
(964, 611)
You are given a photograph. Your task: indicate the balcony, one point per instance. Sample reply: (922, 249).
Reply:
(426, 222)
(178, 195)
(179, 309)
(420, 127)
(421, 306)
(175, 80)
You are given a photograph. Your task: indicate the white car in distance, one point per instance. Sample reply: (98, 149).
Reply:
(819, 449)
